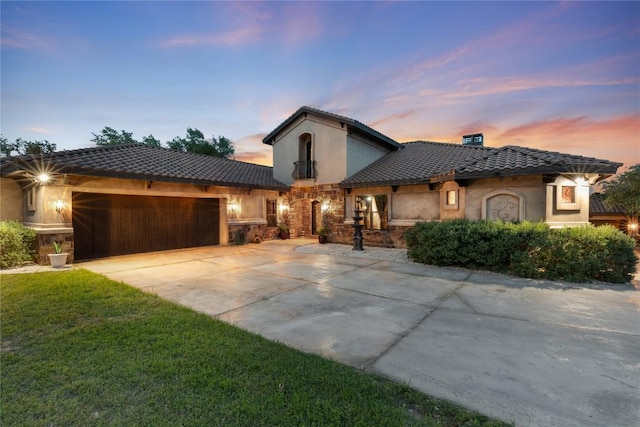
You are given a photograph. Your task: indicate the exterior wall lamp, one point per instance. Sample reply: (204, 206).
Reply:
(325, 207)
(59, 205)
(233, 207)
(43, 178)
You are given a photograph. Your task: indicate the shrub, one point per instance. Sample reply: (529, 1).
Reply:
(526, 249)
(16, 244)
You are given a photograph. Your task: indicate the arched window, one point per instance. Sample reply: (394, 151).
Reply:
(305, 166)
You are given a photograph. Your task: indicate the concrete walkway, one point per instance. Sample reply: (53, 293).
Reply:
(537, 353)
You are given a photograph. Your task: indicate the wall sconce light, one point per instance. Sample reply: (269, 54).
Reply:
(283, 207)
(59, 206)
(43, 178)
(325, 207)
(233, 207)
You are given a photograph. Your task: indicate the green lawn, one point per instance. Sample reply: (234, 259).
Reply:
(80, 349)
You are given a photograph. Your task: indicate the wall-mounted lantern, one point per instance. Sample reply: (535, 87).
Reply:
(325, 207)
(59, 205)
(234, 207)
(43, 178)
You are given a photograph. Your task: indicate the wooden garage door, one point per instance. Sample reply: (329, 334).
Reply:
(108, 224)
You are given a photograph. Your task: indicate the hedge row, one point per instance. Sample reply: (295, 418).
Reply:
(526, 249)
(16, 244)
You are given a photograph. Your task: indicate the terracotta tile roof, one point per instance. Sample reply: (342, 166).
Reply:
(143, 162)
(423, 161)
(269, 139)
(598, 207)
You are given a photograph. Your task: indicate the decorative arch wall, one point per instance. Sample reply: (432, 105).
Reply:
(503, 205)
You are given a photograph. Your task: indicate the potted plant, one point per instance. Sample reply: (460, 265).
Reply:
(59, 258)
(284, 231)
(323, 235)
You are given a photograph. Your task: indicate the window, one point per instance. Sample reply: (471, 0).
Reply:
(305, 166)
(31, 199)
(568, 194)
(374, 211)
(272, 216)
(452, 197)
(567, 198)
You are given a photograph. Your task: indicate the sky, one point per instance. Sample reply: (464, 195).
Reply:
(558, 76)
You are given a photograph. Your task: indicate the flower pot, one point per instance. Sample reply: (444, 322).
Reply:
(58, 260)
(323, 239)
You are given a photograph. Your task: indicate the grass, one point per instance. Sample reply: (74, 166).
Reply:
(78, 349)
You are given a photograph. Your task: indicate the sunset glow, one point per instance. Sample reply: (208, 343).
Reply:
(554, 76)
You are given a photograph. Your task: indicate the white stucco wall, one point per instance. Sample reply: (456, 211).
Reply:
(559, 215)
(337, 154)
(329, 141)
(361, 153)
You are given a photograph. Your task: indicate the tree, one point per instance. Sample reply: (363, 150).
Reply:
(624, 190)
(224, 146)
(194, 142)
(23, 147)
(110, 136)
(152, 141)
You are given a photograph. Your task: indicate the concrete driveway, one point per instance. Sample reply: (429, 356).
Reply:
(536, 353)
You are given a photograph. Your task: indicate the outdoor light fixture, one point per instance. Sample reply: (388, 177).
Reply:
(59, 206)
(283, 207)
(233, 206)
(44, 178)
(632, 227)
(325, 206)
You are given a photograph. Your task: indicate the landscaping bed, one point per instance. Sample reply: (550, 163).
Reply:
(526, 249)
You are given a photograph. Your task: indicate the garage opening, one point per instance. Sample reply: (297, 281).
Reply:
(110, 224)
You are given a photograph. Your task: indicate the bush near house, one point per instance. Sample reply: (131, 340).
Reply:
(16, 244)
(526, 249)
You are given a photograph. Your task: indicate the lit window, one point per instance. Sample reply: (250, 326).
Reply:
(568, 194)
(272, 216)
(374, 211)
(452, 198)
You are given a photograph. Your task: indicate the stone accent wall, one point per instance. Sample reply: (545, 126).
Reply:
(304, 200)
(44, 246)
(246, 233)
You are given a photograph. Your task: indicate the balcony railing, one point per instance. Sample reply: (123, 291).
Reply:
(304, 170)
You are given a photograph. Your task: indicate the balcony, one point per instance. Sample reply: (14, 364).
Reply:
(304, 170)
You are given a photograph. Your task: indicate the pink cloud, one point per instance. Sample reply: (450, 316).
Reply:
(236, 37)
(250, 24)
(616, 139)
(25, 39)
(393, 117)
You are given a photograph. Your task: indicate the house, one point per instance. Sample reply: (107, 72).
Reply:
(334, 164)
(134, 198)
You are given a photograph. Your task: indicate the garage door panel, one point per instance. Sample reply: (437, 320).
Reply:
(107, 224)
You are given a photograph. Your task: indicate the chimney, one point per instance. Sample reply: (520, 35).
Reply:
(473, 139)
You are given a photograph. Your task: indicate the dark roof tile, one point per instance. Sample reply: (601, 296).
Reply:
(423, 161)
(139, 161)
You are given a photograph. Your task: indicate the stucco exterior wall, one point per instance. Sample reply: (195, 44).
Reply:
(414, 203)
(526, 192)
(361, 152)
(11, 200)
(329, 142)
(567, 215)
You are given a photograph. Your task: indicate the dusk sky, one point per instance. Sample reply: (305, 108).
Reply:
(554, 76)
